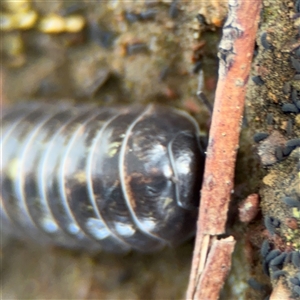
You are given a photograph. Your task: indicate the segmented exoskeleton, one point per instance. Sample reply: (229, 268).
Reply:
(100, 178)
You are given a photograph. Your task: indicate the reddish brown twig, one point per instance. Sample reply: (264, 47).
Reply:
(217, 266)
(236, 51)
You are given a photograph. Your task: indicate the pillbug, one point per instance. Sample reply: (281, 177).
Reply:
(100, 178)
(260, 136)
(271, 224)
(296, 259)
(291, 202)
(265, 248)
(279, 153)
(278, 260)
(288, 258)
(295, 64)
(278, 273)
(293, 143)
(256, 285)
(286, 88)
(272, 254)
(265, 43)
(258, 80)
(295, 281)
(289, 108)
(296, 289)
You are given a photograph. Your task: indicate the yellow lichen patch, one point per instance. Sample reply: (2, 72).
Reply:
(167, 201)
(113, 149)
(296, 213)
(13, 168)
(271, 178)
(17, 6)
(80, 177)
(297, 120)
(17, 15)
(25, 20)
(74, 23)
(52, 24)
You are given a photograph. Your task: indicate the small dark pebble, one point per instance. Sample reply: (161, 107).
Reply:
(266, 270)
(286, 88)
(293, 143)
(260, 136)
(295, 281)
(201, 19)
(99, 35)
(288, 258)
(269, 225)
(272, 255)
(279, 153)
(173, 11)
(295, 64)
(197, 67)
(297, 51)
(296, 77)
(294, 96)
(164, 73)
(278, 273)
(270, 119)
(256, 285)
(265, 42)
(276, 222)
(148, 14)
(289, 127)
(132, 17)
(265, 248)
(47, 88)
(296, 259)
(296, 289)
(278, 260)
(136, 48)
(291, 202)
(297, 6)
(150, 3)
(258, 80)
(72, 9)
(274, 268)
(289, 108)
(287, 150)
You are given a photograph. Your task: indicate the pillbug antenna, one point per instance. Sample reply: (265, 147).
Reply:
(200, 95)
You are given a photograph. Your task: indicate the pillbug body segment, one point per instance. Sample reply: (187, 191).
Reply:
(100, 178)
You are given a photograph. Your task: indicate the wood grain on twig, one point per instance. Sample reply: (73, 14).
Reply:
(235, 53)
